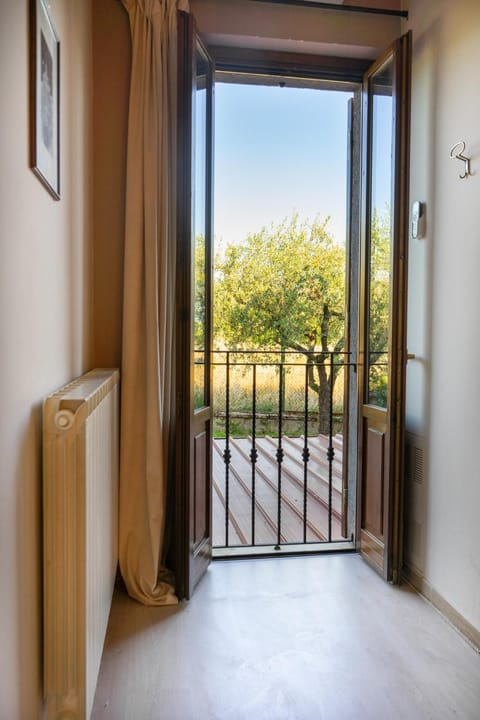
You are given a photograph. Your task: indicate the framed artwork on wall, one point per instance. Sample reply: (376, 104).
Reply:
(45, 97)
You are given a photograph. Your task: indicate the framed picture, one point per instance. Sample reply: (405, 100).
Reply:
(45, 97)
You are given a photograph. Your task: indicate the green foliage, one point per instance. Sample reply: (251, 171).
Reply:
(199, 285)
(199, 321)
(379, 307)
(284, 287)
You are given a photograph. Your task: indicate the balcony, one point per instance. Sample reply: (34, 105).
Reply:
(279, 451)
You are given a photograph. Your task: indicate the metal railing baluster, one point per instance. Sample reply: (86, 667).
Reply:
(227, 455)
(305, 456)
(280, 453)
(254, 451)
(330, 451)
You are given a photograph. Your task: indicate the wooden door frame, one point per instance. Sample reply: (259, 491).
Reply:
(334, 73)
(183, 315)
(185, 414)
(239, 60)
(394, 499)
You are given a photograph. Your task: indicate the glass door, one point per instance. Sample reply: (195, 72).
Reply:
(382, 307)
(193, 310)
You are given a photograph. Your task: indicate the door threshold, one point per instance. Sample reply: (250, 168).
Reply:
(259, 551)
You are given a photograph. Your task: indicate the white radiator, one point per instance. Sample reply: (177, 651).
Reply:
(80, 505)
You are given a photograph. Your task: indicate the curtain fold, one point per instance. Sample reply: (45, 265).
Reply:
(148, 301)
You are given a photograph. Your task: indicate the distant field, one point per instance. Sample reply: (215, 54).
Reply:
(267, 401)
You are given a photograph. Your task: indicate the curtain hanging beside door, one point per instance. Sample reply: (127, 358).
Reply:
(149, 278)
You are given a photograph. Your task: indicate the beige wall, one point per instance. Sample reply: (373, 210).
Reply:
(46, 296)
(297, 29)
(45, 301)
(444, 298)
(441, 405)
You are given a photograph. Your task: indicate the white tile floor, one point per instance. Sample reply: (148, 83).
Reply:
(311, 638)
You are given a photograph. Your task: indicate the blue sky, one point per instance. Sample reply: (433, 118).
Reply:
(278, 150)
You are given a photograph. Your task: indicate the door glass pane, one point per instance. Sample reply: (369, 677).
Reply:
(199, 231)
(380, 233)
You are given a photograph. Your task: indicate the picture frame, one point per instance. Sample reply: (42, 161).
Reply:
(45, 97)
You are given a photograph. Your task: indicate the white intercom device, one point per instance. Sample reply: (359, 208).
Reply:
(418, 219)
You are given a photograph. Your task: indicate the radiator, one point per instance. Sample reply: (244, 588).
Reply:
(80, 506)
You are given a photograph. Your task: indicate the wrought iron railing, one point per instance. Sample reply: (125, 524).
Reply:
(280, 440)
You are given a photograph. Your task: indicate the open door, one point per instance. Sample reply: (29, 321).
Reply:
(382, 321)
(193, 310)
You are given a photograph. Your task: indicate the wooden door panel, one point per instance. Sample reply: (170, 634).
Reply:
(374, 480)
(372, 550)
(373, 490)
(201, 470)
(201, 529)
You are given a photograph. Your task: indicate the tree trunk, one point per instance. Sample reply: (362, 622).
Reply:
(322, 390)
(320, 361)
(323, 400)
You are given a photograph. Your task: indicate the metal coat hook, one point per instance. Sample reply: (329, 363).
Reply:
(460, 156)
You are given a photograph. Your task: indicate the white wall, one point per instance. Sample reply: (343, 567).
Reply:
(44, 321)
(443, 388)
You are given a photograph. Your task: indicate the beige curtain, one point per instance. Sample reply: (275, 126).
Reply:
(148, 299)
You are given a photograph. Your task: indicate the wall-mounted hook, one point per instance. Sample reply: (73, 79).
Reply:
(458, 155)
